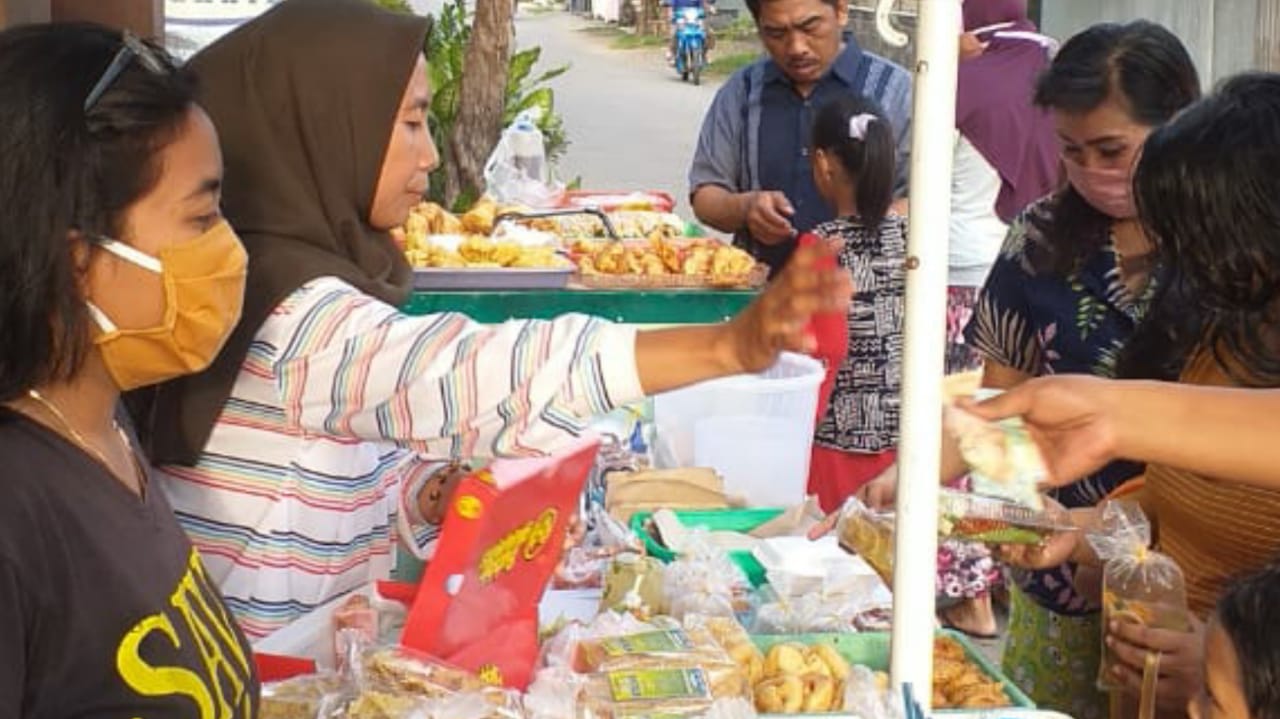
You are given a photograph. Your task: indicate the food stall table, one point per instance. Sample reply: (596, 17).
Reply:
(639, 307)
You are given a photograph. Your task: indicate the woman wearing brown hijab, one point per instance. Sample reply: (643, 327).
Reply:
(330, 415)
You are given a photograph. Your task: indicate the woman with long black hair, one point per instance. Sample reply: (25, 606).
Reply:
(116, 271)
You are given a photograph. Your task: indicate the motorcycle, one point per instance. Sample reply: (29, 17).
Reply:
(691, 44)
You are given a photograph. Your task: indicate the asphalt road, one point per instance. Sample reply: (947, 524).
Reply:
(631, 123)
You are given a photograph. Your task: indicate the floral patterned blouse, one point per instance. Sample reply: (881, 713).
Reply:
(1042, 324)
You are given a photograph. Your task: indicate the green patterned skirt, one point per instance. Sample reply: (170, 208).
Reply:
(1055, 658)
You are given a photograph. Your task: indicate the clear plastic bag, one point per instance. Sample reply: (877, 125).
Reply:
(704, 580)
(306, 697)
(869, 534)
(561, 649)
(1139, 584)
(517, 172)
(867, 695)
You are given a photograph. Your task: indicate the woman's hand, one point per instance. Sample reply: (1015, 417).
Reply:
(1181, 660)
(882, 491)
(778, 320)
(1070, 417)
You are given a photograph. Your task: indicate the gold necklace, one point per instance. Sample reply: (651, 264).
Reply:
(79, 438)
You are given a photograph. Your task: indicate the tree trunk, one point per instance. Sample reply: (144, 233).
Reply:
(481, 96)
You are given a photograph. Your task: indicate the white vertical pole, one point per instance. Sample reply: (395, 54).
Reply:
(933, 128)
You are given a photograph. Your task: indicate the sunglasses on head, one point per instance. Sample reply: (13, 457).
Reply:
(131, 48)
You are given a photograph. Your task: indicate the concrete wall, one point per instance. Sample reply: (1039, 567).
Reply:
(1219, 34)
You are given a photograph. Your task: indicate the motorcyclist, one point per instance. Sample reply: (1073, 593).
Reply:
(709, 6)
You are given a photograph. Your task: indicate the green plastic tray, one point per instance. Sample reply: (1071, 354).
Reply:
(644, 307)
(871, 649)
(720, 520)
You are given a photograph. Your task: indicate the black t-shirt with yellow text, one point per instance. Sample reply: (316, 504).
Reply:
(105, 608)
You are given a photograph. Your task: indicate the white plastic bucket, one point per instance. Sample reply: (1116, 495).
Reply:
(755, 430)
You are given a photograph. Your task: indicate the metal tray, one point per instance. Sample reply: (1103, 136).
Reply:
(549, 278)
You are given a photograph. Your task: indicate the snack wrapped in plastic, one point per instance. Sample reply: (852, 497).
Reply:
(705, 581)
(1003, 458)
(1139, 584)
(869, 534)
(306, 697)
(634, 584)
(403, 671)
(867, 695)
(990, 520)
(692, 647)
(374, 704)
(561, 649)
(670, 691)
(734, 640)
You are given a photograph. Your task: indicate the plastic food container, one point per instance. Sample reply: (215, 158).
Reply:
(755, 430)
(727, 520)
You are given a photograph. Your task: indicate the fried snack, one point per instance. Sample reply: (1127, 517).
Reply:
(780, 695)
(959, 683)
(819, 693)
(784, 659)
(476, 252)
(480, 218)
(837, 666)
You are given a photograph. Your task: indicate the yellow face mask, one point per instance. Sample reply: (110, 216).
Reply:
(203, 292)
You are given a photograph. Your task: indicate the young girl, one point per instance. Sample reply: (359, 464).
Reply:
(853, 166)
(853, 169)
(1242, 653)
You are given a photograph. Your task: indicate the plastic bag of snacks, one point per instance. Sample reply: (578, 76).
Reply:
(306, 697)
(694, 646)
(634, 584)
(561, 649)
(403, 672)
(867, 695)
(734, 640)
(705, 581)
(869, 534)
(1139, 584)
(1004, 460)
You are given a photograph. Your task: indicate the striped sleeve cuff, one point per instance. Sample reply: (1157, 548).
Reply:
(617, 351)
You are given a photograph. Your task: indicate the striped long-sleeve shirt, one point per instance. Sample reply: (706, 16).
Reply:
(343, 406)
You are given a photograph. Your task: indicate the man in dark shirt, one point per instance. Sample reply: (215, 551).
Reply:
(751, 174)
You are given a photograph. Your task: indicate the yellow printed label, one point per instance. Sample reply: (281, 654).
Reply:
(658, 685)
(527, 541)
(469, 507)
(490, 674)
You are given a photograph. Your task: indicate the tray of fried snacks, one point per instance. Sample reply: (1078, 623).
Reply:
(963, 679)
(989, 520)
(662, 263)
(590, 223)
(304, 697)
(482, 263)
(693, 646)
(800, 677)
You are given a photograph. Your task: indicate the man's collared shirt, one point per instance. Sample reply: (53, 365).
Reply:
(756, 134)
